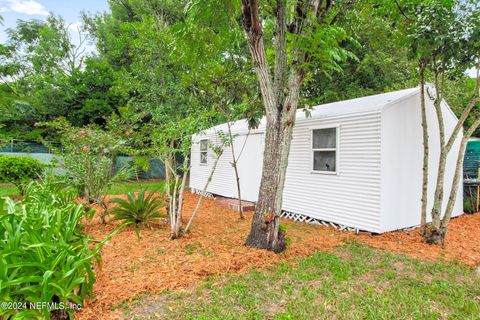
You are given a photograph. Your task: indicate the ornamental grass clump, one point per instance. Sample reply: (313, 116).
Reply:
(44, 256)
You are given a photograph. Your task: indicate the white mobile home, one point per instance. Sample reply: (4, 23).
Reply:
(357, 163)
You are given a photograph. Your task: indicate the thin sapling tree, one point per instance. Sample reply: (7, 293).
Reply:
(218, 150)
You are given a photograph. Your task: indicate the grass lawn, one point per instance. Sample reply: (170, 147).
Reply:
(8, 190)
(125, 187)
(355, 282)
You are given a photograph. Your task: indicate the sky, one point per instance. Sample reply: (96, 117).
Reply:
(12, 10)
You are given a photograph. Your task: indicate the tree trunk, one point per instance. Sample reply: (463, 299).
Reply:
(175, 198)
(168, 180)
(265, 224)
(235, 168)
(265, 233)
(280, 100)
(199, 202)
(425, 147)
(438, 197)
(456, 180)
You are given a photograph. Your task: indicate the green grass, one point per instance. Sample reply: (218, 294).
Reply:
(355, 282)
(8, 190)
(118, 188)
(125, 187)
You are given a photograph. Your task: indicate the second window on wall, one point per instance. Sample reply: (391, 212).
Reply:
(204, 151)
(324, 149)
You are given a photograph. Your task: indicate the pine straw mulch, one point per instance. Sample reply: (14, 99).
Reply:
(131, 268)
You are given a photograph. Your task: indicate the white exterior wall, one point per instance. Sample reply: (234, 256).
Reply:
(402, 159)
(352, 196)
(379, 174)
(224, 180)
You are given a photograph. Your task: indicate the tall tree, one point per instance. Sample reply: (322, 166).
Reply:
(303, 32)
(50, 76)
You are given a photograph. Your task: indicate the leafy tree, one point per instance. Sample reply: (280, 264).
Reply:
(382, 62)
(287, 40)
(163, 107)
(46, 76)
(444, 39)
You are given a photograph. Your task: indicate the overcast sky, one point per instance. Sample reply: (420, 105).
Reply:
(12, 10)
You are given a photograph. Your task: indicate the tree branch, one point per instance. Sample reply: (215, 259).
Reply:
(473, 101)
(253, 30)
(280, 51)
(401, 11)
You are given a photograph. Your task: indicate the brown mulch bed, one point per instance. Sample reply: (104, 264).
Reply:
(131, 268)
(462, 242)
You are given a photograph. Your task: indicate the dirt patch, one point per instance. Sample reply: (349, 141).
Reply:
(215, 245)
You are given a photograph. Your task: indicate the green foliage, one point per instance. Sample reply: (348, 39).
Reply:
(45, 75)
(50, 184)
(9, 191)
(45, 256)
(137, 209)
(19, 170)
(282, 227)
(88, 155)
(381, 62)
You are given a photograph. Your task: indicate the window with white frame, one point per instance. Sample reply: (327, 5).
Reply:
(203, 151)
(324, 149)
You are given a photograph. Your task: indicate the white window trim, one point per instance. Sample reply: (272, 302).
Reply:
(337, 150)
(201, 151)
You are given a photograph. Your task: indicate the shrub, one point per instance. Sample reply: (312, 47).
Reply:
(45, 255)
(88, 155)
(137, 209)
(19, 170)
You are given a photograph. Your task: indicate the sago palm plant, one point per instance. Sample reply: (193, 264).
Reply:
(137, 209)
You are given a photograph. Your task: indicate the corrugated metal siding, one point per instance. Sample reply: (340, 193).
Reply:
(402, 148)
(223, 181)
(352, 197)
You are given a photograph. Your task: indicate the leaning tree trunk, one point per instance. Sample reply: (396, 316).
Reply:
(235, 168)
(456, 180)
(204, 191)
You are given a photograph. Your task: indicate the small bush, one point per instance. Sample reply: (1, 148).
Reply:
(19, 170)
(137, 209)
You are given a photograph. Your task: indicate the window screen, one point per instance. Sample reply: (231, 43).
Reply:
(203, 151)
(324, 148)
